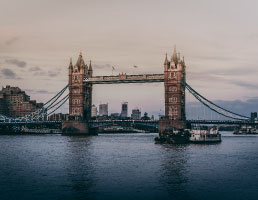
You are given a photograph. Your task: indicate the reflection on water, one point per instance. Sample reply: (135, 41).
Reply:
(80, 166)
(174, 168)
(126, 166)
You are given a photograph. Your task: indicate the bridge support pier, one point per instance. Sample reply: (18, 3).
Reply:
(72, 127)
(76, 127)
(168, 124)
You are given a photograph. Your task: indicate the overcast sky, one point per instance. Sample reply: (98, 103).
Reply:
(218, 39)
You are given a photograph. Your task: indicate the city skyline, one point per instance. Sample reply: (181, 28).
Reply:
(220, 57)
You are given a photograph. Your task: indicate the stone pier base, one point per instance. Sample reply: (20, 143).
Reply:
(166, 124)
(72, 127)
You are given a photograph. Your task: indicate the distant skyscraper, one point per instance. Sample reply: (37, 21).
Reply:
(94, 111)
(136, 114)
(253, 115)
(124, 110)
(103, 109)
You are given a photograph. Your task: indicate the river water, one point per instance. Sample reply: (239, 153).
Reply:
(127, 166)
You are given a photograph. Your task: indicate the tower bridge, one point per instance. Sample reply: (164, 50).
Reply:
(124, 78)
(81, 80)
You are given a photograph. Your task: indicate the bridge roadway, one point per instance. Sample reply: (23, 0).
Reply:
(136, 121)
(30, 122)
(124, 78)
(188, 121)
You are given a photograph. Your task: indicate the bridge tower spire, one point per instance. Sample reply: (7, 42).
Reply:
(174, 74)
(79, 93)
(76, 93)
(166, 63)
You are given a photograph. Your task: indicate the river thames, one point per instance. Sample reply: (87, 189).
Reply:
(127, 166)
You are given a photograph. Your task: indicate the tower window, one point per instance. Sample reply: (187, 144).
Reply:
(172, 75)
(172, 99)
(76, 101)
(172, 88)
(172, 111)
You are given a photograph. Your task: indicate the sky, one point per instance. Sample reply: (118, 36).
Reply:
(217, 38)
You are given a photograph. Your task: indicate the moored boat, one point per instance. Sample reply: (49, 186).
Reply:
(205, 136)
(246, 130)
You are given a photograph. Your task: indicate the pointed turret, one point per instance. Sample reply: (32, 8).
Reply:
(90, 67)
(70, 71)
(178, 56)
(80, 61)
(71, 64)
(90, 71)
(166, 60)
(183, 61)
(174, 57)
(86, 71)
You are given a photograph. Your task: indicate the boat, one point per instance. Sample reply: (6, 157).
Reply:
(205, 136)
(246, 130)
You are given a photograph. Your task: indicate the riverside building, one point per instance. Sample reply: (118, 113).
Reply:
(16, 103)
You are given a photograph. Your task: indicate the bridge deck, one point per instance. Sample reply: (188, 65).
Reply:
(124, 78)
(134, 121)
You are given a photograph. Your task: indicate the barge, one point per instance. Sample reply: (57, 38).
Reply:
(182, 136)
(246, 130)
(205, 136)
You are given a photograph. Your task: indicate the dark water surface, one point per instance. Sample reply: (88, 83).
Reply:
(127, 166)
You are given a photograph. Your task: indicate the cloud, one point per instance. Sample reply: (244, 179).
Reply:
(52, 73)
(35, 69)
(39, 91)
(39, 73)
(9, 74)
(244, 84)
(43, 92)
(18, 63)
(204, 76)
(12, 40)
(219, 77)
(236, 71)
(105, 66)
(224, 58)
(196, 110)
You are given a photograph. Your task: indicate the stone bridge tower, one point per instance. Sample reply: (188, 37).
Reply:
(80, 94)
(80, 97)
(174, 75)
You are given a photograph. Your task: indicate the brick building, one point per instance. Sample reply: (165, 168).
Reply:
(16, 103)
